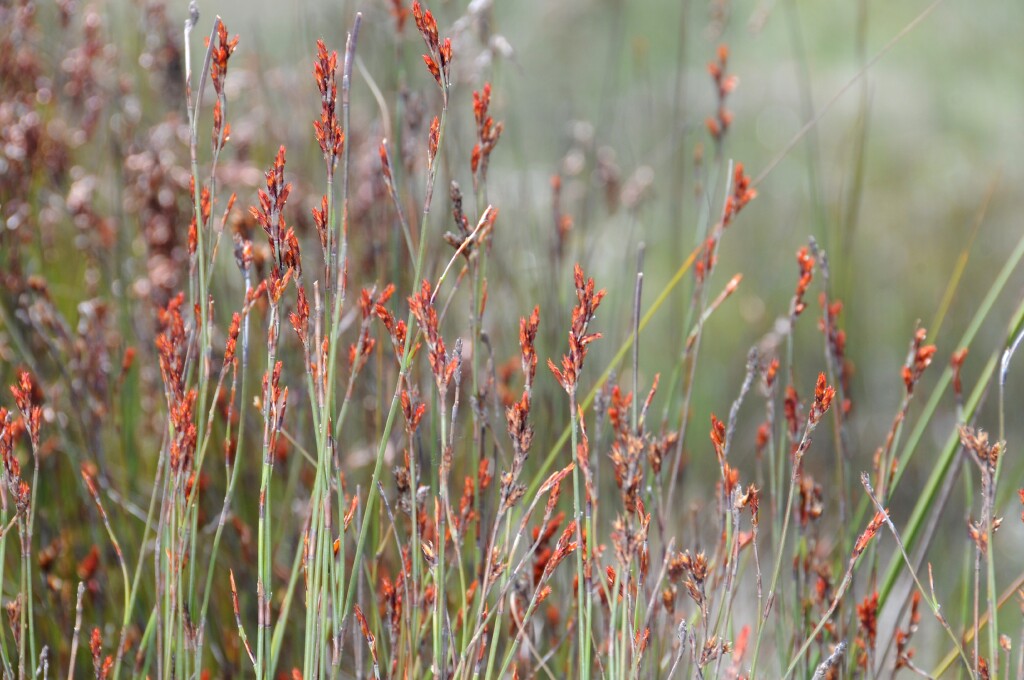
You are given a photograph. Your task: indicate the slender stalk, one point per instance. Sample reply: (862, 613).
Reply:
(582, 625)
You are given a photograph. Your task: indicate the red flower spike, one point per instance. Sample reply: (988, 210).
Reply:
(919, 359)
(269, 213)
(742, 194)
(433, 140)
(719, 124)
(328, 131)
(219, 57)
(582, 314)
(823, 396)
(806, 263)
(956, 362)
(718, 437)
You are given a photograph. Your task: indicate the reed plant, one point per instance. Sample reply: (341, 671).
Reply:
(298, 429)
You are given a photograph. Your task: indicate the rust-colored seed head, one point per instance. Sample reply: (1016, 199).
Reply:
(867, 616)
(920, 358)
(582, 314)
(724, 84)
(488, 132)
(873, 526)
(328, 131)
(718, 437)
(269, 214)
(956, 362)
(527, 338)
(425, 24)
(96, 647)
(823, 396)
(806, 263)
(742, 194)
(220, 55)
